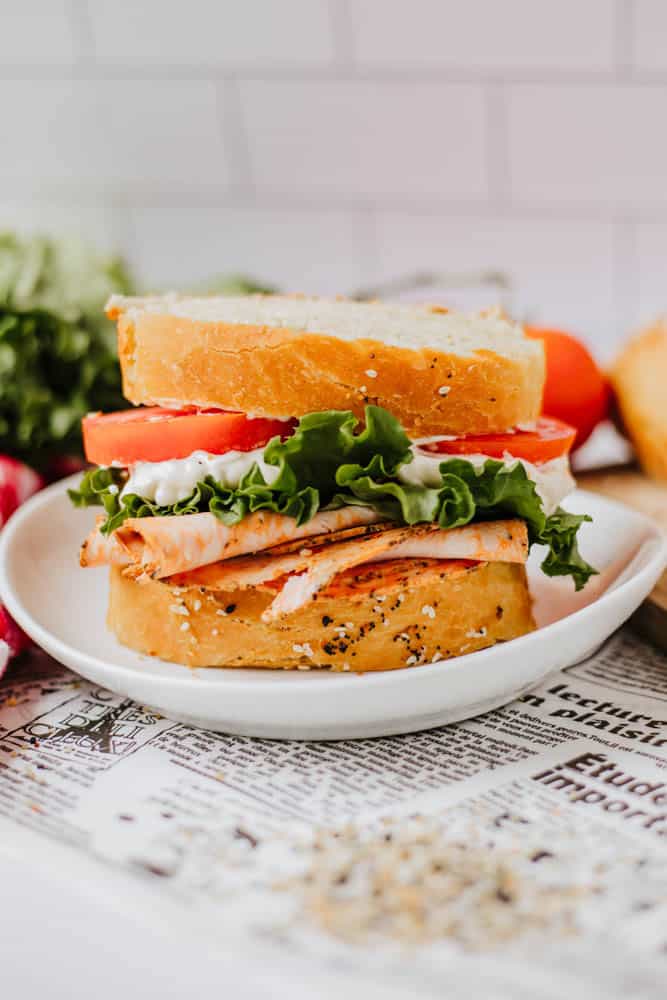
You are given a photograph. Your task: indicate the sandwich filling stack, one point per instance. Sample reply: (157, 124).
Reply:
(324, 484)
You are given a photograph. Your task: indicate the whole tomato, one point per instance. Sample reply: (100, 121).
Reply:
(575, 390)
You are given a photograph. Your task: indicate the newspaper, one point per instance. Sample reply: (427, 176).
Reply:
(228, 835)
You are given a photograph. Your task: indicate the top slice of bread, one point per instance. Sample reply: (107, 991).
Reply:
(439, 372)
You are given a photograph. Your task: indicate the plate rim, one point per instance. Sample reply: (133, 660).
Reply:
(293, 680)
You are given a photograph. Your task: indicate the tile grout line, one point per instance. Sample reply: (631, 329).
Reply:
(335, 200)
(340, 22)
(82, 32)
(92, 70)
(623, 40)
(625, 276)
(366, 228)
(124, 224)
(497, 146)
(235, 138)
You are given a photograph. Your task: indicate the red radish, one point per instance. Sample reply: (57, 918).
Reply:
(17, 483)
(10, 633)
(13, 640)
(63, 465)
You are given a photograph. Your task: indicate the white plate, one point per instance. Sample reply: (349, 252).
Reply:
(63, 608)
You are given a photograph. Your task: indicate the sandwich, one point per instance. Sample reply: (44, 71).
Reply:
(310, 484)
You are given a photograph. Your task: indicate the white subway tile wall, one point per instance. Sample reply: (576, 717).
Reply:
(178, 242)
(53, 44)
(592, 144)
(212, 33)
(129, 136)
(650, 36)
(514, 35)
(366, 140)
(651, 240)
(564, 268)
(327, 145)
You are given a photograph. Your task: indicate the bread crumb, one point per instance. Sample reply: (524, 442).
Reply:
(303, 649)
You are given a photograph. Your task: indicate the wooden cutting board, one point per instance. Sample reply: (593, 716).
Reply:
(630, 486)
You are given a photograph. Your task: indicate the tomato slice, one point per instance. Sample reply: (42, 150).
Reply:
(550, 439)
(157, 433)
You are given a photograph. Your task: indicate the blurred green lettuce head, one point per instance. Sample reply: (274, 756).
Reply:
(57, 348)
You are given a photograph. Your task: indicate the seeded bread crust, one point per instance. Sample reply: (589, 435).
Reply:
(405, 619)
(638, 378)
(474, 376)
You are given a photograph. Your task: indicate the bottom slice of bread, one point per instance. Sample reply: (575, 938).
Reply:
(383, 617)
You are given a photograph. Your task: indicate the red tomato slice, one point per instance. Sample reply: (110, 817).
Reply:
(550, 439)
(156, 433)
